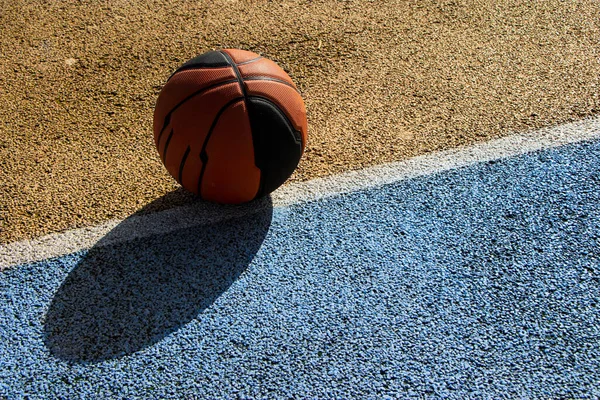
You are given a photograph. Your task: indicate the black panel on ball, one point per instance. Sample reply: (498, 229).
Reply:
(277, 145)
(211, 59)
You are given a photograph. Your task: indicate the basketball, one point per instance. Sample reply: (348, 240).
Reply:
(230, 126)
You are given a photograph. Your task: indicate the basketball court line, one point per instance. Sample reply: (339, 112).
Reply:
(67, 242)
(480, 281)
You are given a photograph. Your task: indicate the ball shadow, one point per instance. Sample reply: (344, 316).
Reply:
(124, 296)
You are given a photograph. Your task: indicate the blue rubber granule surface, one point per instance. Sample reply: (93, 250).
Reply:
(482, 282)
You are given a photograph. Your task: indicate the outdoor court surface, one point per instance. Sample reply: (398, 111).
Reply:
(441, 237)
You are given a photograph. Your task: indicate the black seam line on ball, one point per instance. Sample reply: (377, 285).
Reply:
(185, 155)
(250, 61)
(167, 146)
(167, 120)
(203, 155)
(197, 93)
(268, 78)
(237, 73)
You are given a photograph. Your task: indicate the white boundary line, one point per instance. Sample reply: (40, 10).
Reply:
(58, 244)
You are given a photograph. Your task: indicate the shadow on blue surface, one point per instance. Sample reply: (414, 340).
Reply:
(121, 298)
(480, 282)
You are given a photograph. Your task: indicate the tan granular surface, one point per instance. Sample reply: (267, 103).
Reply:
(383, 80)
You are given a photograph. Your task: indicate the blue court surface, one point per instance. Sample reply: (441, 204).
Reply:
(478, 282)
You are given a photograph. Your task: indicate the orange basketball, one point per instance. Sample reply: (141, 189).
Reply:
(230, 126)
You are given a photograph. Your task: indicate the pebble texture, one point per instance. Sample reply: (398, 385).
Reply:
(480, 282)
(383, 80)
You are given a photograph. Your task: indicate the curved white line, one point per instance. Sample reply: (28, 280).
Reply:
(58, 244)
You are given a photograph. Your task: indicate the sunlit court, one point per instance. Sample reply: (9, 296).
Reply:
(299, 199)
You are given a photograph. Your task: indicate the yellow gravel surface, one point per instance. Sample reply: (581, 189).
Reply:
(382, 81)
